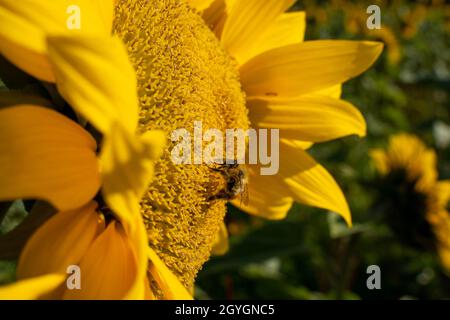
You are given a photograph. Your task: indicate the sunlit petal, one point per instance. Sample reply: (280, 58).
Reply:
(247, 20)
(94, 75)
(60, 242)
(35, 288)
(24, 26)
(310, 183)
(270, 203)
(221, 246)
(307, 67)
(127, 168)
(443, 192)
(170, 286)
(288, 28)
(46, 156)
(109, 267)
(215, 16)
(309, 118)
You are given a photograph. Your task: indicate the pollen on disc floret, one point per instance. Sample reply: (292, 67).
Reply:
(183, 75)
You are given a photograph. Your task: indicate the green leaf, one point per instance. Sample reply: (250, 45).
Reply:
(338, 228)
(14, 214)
(274, 239)
(12, 242)
(7, 271)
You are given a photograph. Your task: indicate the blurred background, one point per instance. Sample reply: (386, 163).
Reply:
(312, 254)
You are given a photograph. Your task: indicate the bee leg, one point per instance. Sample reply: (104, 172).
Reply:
(214, 198)
(221, 195)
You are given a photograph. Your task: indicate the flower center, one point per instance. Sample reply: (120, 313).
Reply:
(184, 75)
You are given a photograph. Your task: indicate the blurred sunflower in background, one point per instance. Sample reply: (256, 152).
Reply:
(414, 202)
(229, 64)
(401, 20)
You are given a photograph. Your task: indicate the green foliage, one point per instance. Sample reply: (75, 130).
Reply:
(14, 214)
(11, 214)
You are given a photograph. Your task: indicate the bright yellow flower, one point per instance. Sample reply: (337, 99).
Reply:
(54, 159)
(409, 168)
(25, 26)
(295, 86)
(409, 153)
(183, 76)
(185, 73)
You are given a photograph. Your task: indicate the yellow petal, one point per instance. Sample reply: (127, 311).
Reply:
(221, 245)
(109, 267)
(380, 160)
(230, 4)
(24, 26)
(443, 192)
(105, 9)
(246, 22)
(149, 295)
(444, 255)
(408, 152)
(288, 28)
(309, 118)
(310, 183)
(200, 5)
(215, 16)
(333, 92)
(46, 156)
(34, 288)
(271, 203)
(307, 67)
(305, 145)
(95, 77)
(127, 168)
(139, 240)
(170, 286)
(31, 60)
(60, 242)
(440, 220)
(427, 166)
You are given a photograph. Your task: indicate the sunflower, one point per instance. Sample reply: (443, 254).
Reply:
(416, 202)
(293, 85)
(54, 159)
(237, 65)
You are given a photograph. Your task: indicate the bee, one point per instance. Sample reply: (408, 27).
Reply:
(236, 179)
